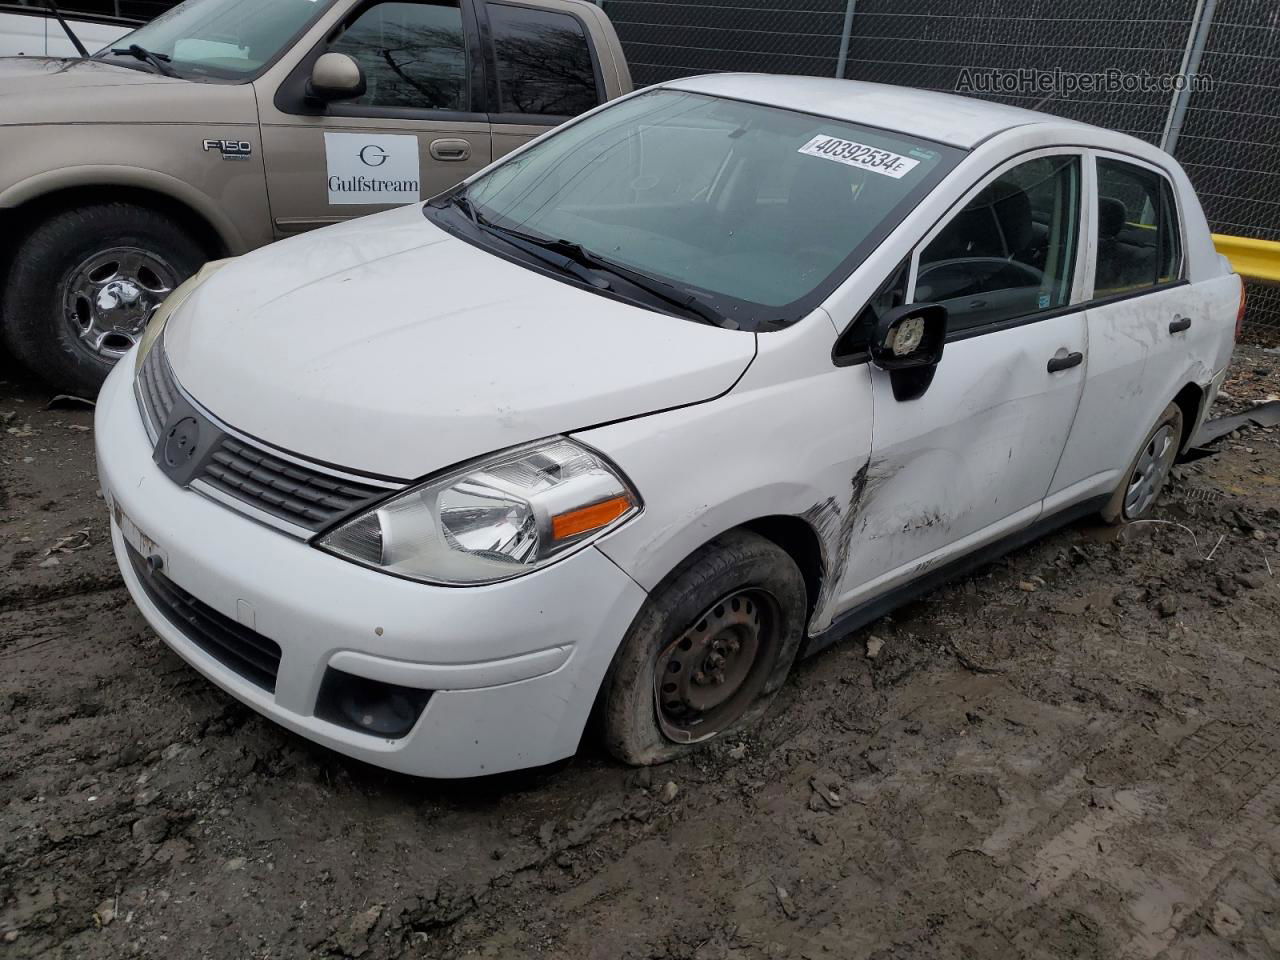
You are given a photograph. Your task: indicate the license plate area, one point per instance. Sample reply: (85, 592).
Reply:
(147, 548)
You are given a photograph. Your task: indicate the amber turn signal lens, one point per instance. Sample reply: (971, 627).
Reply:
(585, 519)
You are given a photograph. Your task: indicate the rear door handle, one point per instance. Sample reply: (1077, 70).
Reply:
(1066, 363)
(1179, 324)
(450, 149)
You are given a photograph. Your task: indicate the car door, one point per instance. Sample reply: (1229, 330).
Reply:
(543, 69)
(1144, 321)
(972, 458)
(419, 128)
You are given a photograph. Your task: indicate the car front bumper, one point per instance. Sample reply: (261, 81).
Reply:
(513, 668)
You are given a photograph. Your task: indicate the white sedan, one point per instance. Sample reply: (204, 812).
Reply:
(699, 382)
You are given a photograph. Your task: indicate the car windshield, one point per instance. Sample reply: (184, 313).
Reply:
(223, 39)
(757, 210)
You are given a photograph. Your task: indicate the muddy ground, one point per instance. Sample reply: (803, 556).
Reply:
(1073, 753)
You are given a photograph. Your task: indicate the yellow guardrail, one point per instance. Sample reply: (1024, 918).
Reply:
(1255, 259)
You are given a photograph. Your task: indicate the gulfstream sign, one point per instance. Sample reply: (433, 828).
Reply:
(372, 168)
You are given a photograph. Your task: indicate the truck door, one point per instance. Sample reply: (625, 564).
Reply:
(418, 129)
(546, 65)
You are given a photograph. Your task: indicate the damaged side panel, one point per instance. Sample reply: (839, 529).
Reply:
(967, 462)
(792, 439)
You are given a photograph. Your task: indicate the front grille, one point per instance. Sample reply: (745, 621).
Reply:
(236, 470)
(287, 490)
(235, 646)
(157, 390)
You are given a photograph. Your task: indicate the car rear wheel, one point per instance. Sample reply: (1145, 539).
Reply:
(83, 285)
(708, 652)
(1142, 483)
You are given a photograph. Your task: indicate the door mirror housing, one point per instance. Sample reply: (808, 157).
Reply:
(336, 76)
(910, 337)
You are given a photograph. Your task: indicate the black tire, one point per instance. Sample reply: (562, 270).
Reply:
(1117, 511)
(736, 566)
(38, 330)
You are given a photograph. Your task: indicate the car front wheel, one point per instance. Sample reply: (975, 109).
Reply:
(83, 285)
(708, 652)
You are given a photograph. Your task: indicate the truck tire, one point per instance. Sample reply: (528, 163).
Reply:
(708, 651)
(83, 284)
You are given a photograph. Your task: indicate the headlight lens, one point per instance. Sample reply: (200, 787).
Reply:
(490, 521)
(160, 316)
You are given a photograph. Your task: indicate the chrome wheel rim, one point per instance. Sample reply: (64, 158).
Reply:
(711, 673)
(108, 299)
(1150, 473)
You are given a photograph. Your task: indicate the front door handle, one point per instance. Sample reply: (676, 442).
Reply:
(1179, 324)
(450, 149)
(1066, 363)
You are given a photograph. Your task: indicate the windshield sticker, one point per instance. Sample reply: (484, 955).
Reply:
(372, 168)
(854, 154)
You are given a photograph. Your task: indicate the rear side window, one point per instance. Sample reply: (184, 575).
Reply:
(1139, 235)
(413, 55)
(544, 62)
(1011, 251)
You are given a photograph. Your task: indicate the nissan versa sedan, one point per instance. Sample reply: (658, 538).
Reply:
(621, 425)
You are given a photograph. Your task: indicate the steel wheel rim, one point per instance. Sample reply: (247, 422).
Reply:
(708, 676)
(109, 297)
(1150, 473)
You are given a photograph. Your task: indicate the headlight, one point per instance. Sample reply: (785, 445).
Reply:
(160, 316)
(493, 520)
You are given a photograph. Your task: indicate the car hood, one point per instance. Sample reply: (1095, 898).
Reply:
(45, 90)
(387, 346)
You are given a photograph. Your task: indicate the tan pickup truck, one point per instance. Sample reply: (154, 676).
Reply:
(226, 124)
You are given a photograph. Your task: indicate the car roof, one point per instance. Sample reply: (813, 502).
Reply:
(943, 117)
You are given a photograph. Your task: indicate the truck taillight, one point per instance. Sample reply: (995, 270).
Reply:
(1244, 296)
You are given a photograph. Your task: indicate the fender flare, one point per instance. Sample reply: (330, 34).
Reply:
(154, 181)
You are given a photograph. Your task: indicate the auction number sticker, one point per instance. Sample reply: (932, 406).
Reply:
(854, 154)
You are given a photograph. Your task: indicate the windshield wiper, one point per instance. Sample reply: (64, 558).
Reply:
(682, 299)
(158, 60)
(66, 28)
(575, 259)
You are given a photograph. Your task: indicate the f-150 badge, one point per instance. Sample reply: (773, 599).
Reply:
(230, 149)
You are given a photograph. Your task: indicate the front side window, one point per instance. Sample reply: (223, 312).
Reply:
(1011, 251)
(544, 62)
(1139, 236)
(413, 55)
(756, 208)
(222, 39)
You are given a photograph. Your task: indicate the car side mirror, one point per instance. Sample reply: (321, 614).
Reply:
(910, 336)
(908, 344)
(336, 76)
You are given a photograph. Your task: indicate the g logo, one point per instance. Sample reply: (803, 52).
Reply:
(373, 155)
(181, 442)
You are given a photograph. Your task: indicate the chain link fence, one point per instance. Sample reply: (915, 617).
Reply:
(1226, 136)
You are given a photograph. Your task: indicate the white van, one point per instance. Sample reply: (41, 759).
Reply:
(33, 31)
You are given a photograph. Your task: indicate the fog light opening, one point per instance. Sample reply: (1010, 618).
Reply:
(369, 706)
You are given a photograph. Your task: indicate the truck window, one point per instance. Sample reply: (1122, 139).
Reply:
(413, 55)
(544, 62)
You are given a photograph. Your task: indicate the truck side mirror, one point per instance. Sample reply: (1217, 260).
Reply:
(336, 76)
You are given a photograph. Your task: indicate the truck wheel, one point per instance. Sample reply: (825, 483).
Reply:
(83, 284)
(1141, 484)
(707, 653)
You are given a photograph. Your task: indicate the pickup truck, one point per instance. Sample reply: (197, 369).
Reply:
(222, 126)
